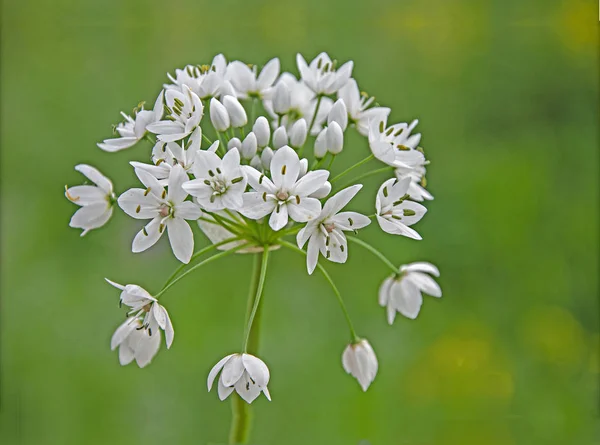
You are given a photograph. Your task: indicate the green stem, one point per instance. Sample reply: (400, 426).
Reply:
(337, 293)
(258, 295)
(200, 264)
(374, 251)
(149, 138)
(349, 169)
(312, 122)
(199, 253)
(207, 139)
(370, 173)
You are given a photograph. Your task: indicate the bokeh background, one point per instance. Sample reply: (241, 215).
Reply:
(507, 96)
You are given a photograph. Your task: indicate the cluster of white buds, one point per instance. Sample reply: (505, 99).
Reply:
(230, 152)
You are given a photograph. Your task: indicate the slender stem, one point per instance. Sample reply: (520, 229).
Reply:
(349, 169)
(149, 138)
(253, 110)
(374, 251)
(258, 295)
(207, 139)
(312, 122)
(199, 253)
(370, 173)
(337, 293)
(241, 414)
(331, 162)
(200, 264)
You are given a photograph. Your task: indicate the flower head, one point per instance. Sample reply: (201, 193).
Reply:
(325, 233)
(134, 128)
(166, 209)
(96, 201)
(359, 360)
(244, 373)
(402, 292)
(395, 211)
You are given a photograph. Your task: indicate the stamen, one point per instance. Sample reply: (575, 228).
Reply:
(385, 191)
(236, 180)
(408, 212)
(164, 194)
(403, 147)
(138, 208)
(283, 169)
(147, 191)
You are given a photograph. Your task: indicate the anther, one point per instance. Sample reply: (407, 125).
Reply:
(164, 194)
(236, 180)
(283, 169)
(408, 212)
(381, 127)
(211, 173)
(138, 208)
(385, 192)
(297, 199)
(147, 191)
(403, 147)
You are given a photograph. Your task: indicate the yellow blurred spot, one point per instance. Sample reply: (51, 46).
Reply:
(578, 24)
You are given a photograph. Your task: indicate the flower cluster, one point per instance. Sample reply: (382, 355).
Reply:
(246, 156)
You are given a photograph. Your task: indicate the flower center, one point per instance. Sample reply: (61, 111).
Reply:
(164, 211)
(219, 186)
(329, 227)
(282, 196)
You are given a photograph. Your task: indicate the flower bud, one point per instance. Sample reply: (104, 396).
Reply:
(249, 146)
(335, 138)
(262, 131)
(256, 163)
(280, 137)
(303, 167)
(339, 114)
(323, 191)
(237, 114)
(360, 361)
(281, 99)
(218, 115)
(298, 133)
(321, 144)
(266, 157)
(234, 142)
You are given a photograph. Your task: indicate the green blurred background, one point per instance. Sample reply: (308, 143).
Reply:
(507, 96)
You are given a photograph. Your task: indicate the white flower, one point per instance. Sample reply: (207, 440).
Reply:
(166, 209)
(219, 116)
(134, 129)
(321, 75)
(219, 183)
(96, 201)
(237, 114)
(135, 342)
(206, 81)
(145, 307)
(394, 210)
(298, 133)
(244, 373)
(285, 195)
(245, 81)
(395, 145)
(262, 131)
(359, 360)
(325, 233)
(402, 292)
(358, 107)
(165, 155)
(185, 110)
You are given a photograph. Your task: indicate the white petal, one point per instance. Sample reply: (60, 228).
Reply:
(232, 371)
(421, 267)
(256, 368)
(384, 291)
(122, 333)
(255, 207)
(187, 210)
(117, 144)
(425, 283)
(247, 389)
(309, 208)
(224, 391)
(96, 177)
(310, 183)
(268, 74)
(395, 227)
(138, 204)
(143, 241)
(285, 168)
(312, 253)
(91, 217)
(279, 217)
(340, 199)
(215, 370)
(84, 195)
(181, 239)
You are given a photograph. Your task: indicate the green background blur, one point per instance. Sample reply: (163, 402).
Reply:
(507, 97)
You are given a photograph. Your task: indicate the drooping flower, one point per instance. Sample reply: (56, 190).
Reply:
(247, 83)
(285, 195)
(219, 183)
(133, 129)
(395, 211)
(135, 342)
(244, 373)
(325, 233)
(358, 104)
(167, 209)
(184, 112)
(321, 76)
(402, 292)
(146, 308)
(360, 362)
(96, 201)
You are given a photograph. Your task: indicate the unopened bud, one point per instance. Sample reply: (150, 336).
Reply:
(339, 114)
(280, 137)
(335, 138)
(321, 144)
(281, 98)
(262, 131)
(298, 133)
(219, 116)
(249, 146)
(266, 157)
(234, 143)
(237, 114)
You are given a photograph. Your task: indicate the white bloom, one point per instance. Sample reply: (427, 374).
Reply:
(165, 155)
(394, 210)
(244, 373)
(416, 190)
(285, 195)
(280, 137)
(134, 129)
(246, 82)
(219, 116)
(145, 307)
(321, 75)
(249, 146)
(206, 81)
(262, 131)
(185, 110)
(325, 233)
(395, 145)
(359, 360)
(282, 99)
(402, 292)
(236, 111)
(166, 209)
(298, 133)
(96, 201)
(219, 183)
(135, 342)
(358, 107)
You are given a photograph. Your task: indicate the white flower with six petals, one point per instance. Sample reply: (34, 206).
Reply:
(244, 373)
